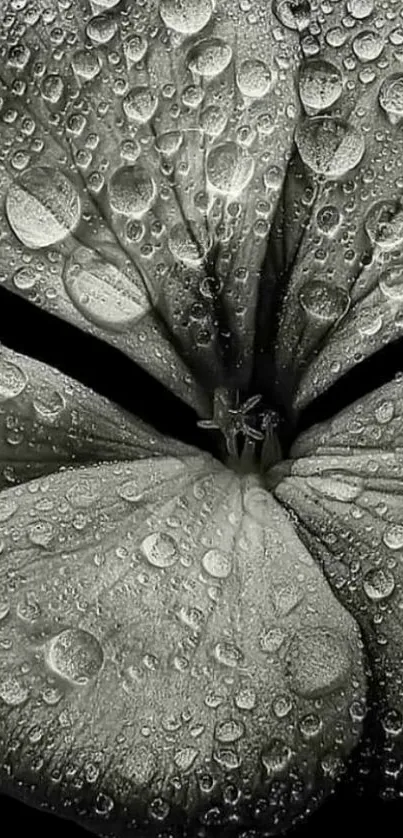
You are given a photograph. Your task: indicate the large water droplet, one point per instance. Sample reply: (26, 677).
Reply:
(317, 662)
(160, 549)
(254, 78)
(320, 85)
(42, 207)
(384, 224)
(367, 46)
(330, 147)
(86, 63)
(360, 9)
(102, 293)
(52, 87)
(391, 97)
(217, 564)
(48, 403)
(101, 29)
(323, 302)
(210, 57)
(140, 104)
(13, 380)
(186, 16)
(131, 191)
(391, 283)
(393, 537)
(188, 246)
(378, 584)
(12, 692)
(76, 655)
(294, 14)
(229, 168)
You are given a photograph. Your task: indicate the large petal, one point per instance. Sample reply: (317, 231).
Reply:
(170, 653)
(335, 251)
(143, 148)
(344, 486)
(49, 421)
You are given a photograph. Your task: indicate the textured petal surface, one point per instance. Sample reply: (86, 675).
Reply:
(144, 144)
(335, 251)
(344, 485)
(170, 653)
(48, 420)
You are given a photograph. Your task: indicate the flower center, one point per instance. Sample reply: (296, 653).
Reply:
(249, 431)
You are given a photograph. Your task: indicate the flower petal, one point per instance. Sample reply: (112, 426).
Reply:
(144, 147)
(48, 420)
(344, 486)
(336, 247)
(169, 649)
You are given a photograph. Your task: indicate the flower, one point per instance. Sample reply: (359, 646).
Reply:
(213, 188)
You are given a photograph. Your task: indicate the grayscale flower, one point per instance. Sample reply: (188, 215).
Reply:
(190, 642)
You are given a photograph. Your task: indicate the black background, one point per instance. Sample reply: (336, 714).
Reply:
(35, 333)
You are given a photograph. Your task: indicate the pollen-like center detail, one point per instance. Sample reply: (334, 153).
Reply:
(248, 428)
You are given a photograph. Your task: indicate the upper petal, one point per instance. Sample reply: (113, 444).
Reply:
(144, 146)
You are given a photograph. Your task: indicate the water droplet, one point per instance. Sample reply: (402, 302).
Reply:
(254, 78)
(160, 549)
(131, 191)
(228, 654)
(135, 48)
(84, 492)
(25, 278)
(102, 293)
(41, 533)
(384, 224)
(282, 705)
(229, 168)
(217, 564)
(103, 804)
(210, 57)
(324, 302)
(317, 662)
(12, 692)
(378, 584)
(140, 104)
(328, 219)
(367, 46)
(186, 16)
(101, 29)
(48, 403)
(330, 147)
(391, 283)
(245, 698)
(392, 722)
(8, 508)
(384, 412)
(42, 207)
(276, 757)
(294, 14)
(310, 725)
(76, 655)
(360, 9)
(272, 639)
(391, 97)
(13, 380)
(229, 731)
(185, 758)
(188, 246)
(320, 85)
(86, 63)
(393, 537)
(52, 88)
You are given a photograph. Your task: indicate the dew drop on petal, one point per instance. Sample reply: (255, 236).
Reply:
(330, 147)
(229, 168)
(12, 692)
(102, 293)
(41, 533)
(367, 46)
(186, 16)
(229, 730)
(13, 380)
(360, 9)
(254, 78)
(131, 191)
(185, 758)
(42, 207)
(217, 564)
(276, 757)
(317, 662)
(140, 104)
(293, 14)
(378, 584)
(384, 224)
(320, 85)
(391, 283)
(188, 246)
(391, 97)
(323, 302)
(210, 57)
(75, 654)
(160, 549)
(393, 537)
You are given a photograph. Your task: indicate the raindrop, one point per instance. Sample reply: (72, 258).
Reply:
(41, 533)
(391, 283)
(185, 758)
(188, 246)
(328, 219)
(135, 48)
(294, 14)
(101, 29)
(228, 654)
(160, 549)
(360, 9)
(12, 692)
(320, 85)
(310, 725)
(76, 655)
(229, 168)
(330, 147)
(186, 16)
(87, 64)
(131, 191)
(140, 104)
(317, 662)
(210, 57)
(323, 302)
(384, 224)
(393, 537)
(42, 207)
(48, 403)
(52, 88)
(378, 584)
(229, 730)
(102, 293)
(217, 564)
(282, 705)
(25, 278)
(367, 46)
(254, 78)
(276, 757)
(13, 380)
(391, 97)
